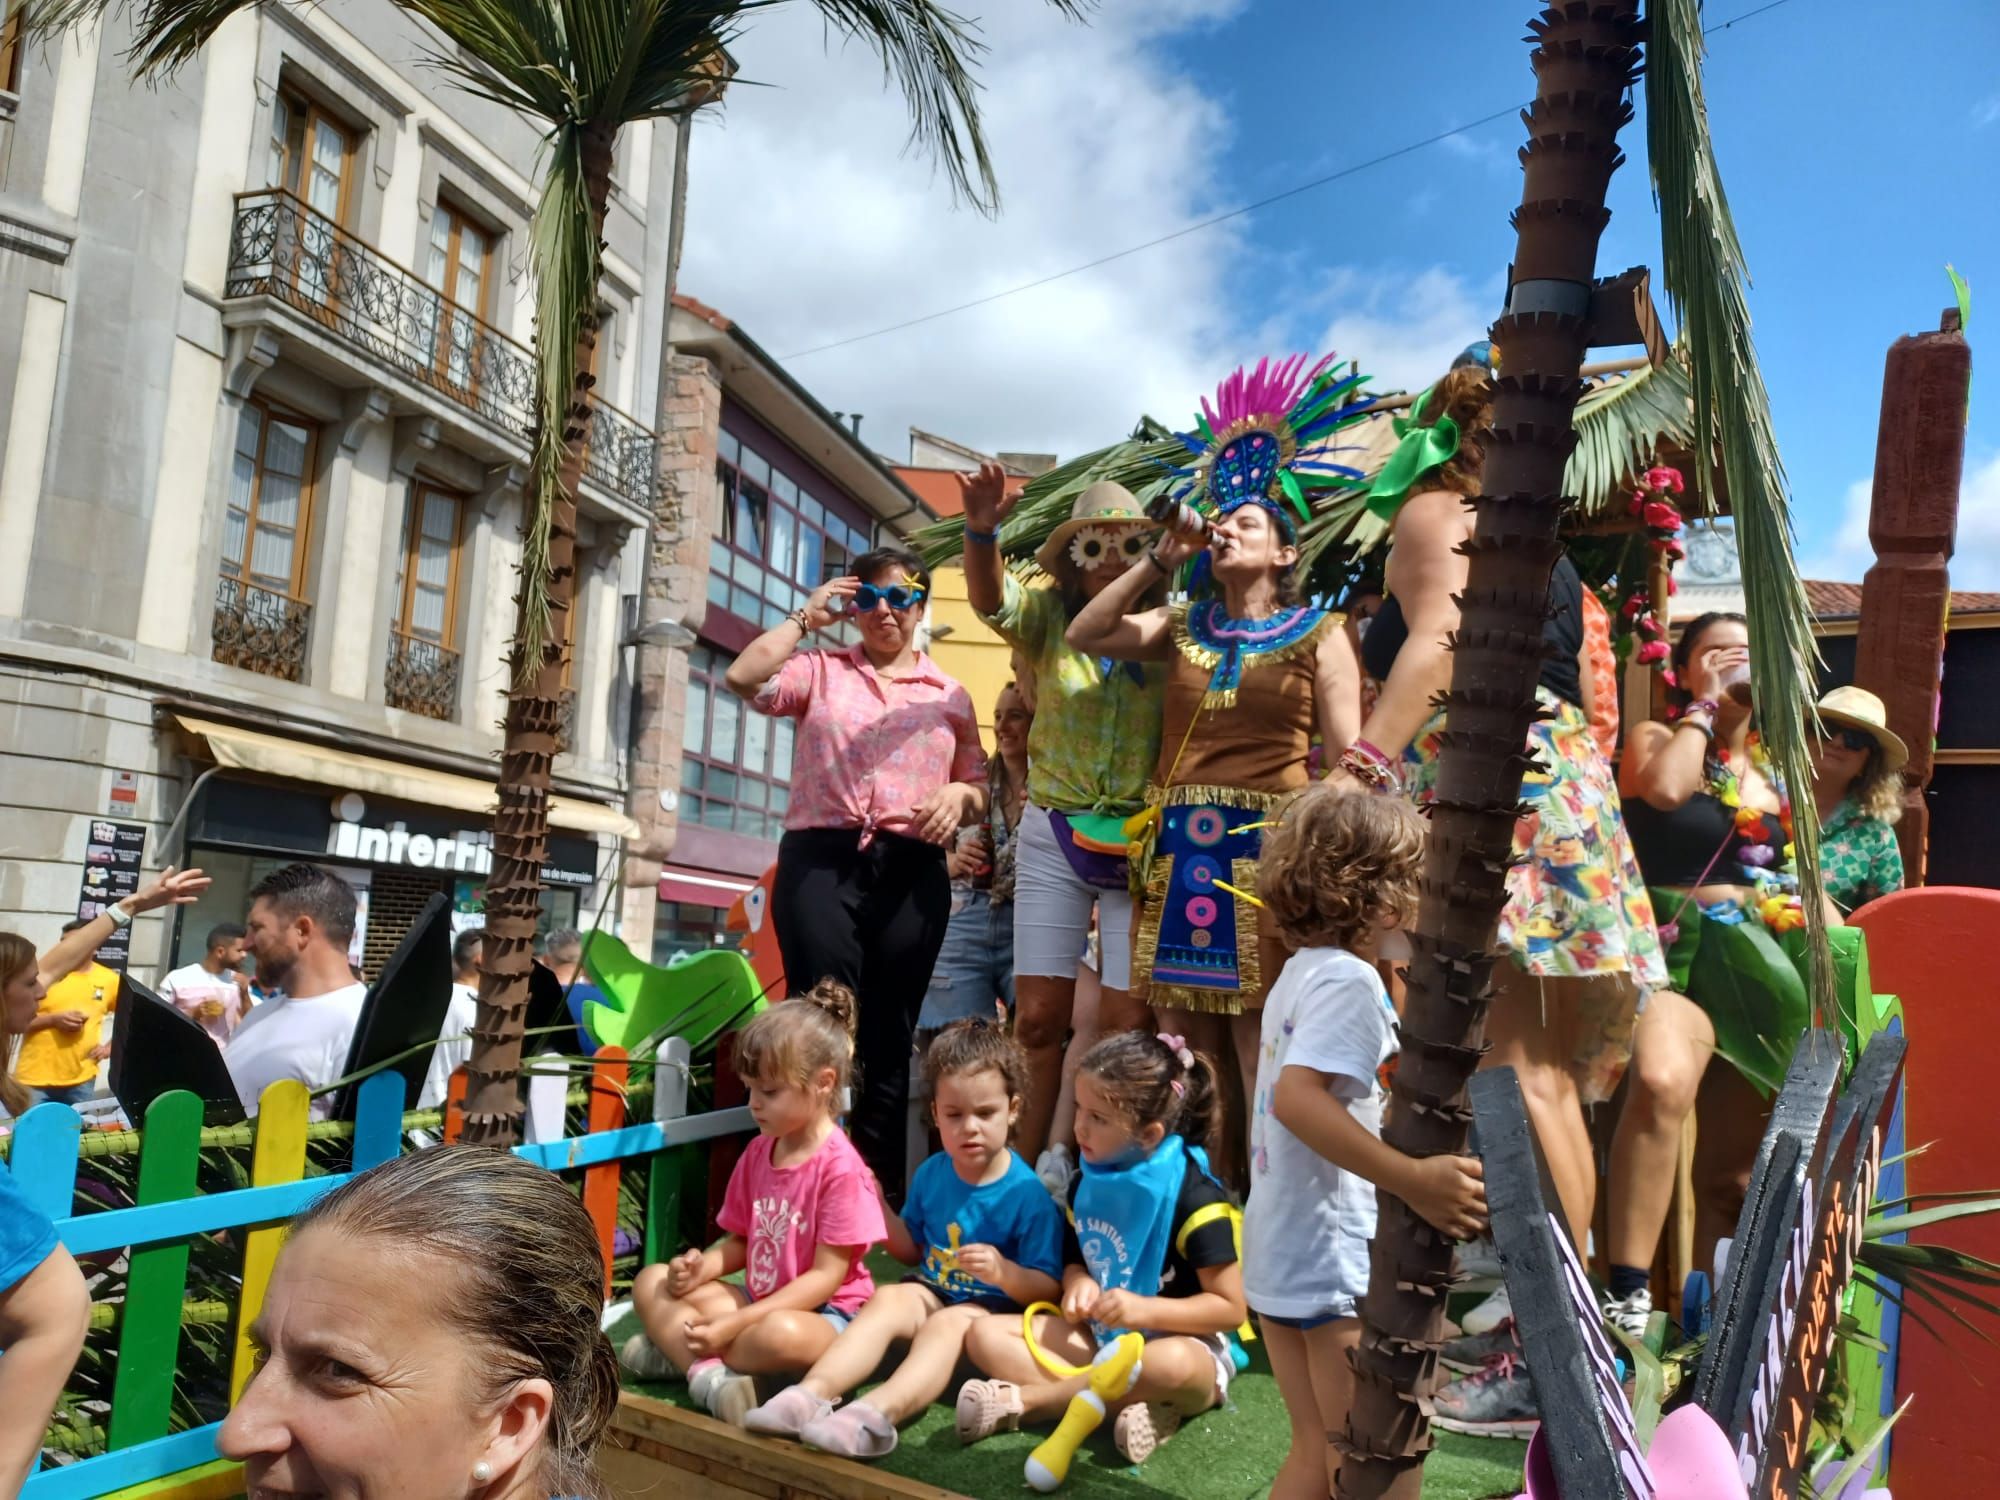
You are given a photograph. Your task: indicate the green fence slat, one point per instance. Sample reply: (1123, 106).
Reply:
(149, 1336)
(667, 1180)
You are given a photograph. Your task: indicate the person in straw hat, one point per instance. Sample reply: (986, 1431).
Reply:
(1096, 735)
(1858, 793)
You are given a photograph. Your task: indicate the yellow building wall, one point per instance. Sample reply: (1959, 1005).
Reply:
(971, 653)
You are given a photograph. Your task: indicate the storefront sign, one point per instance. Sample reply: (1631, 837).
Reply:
(462, 852)
(1587, 1429)
(111, 861)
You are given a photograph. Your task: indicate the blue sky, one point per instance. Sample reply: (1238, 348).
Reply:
(1860, 148)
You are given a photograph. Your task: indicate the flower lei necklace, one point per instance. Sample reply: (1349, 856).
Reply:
(1767, 861)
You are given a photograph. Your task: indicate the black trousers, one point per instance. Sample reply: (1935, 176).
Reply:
(874, 919)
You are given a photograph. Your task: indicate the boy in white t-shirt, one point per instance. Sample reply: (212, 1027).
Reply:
(301, 921)
(212, 991)
(1338, 868)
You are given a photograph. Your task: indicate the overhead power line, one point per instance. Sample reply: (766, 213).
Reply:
(1200, 225)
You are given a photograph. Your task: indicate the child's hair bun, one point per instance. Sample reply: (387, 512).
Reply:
(837, 1001)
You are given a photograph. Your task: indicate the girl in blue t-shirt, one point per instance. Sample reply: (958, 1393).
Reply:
(983, 1234)
(1153, 1248)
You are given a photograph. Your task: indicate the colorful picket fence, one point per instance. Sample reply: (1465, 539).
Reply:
(143, 1458)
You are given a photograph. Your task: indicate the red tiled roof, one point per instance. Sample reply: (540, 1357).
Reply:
(938, 488)
(1842, 601)
(703, 311)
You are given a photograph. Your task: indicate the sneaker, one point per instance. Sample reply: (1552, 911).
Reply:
(701, 1378)
(1629, 1315)
(731, 1397)
(1142, 1427)
(1497, 1401)
(1489, 1314)
(1471, 1351)
(1478, 1260)
(1056, 1168)
(645, 1359)
(786, 1414)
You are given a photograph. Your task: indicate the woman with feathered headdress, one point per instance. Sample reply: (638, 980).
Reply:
(1252, 673)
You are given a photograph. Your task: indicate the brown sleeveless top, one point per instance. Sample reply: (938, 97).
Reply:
(1240, 708)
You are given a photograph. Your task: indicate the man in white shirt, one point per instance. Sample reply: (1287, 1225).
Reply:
(454, 1046)
(301, 921)
(211, 991)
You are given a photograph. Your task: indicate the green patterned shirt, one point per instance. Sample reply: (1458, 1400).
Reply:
(1096, 736)
(1858, 857)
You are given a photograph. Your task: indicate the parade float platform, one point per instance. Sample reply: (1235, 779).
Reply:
(661, 1448)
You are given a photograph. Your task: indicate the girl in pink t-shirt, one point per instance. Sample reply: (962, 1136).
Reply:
(801, 1212)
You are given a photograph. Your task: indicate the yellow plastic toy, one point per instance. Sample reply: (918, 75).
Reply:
(1112, 1374)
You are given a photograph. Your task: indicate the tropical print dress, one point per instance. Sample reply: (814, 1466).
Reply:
(1577, 906)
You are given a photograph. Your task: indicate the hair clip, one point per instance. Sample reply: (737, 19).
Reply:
(1179, 1047)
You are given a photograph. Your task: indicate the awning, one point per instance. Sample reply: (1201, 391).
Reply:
(699, 887)
(298, 760)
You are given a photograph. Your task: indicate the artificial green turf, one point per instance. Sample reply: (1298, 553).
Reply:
(1228, 1454)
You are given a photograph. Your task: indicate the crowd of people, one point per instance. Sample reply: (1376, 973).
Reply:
(1140, 954)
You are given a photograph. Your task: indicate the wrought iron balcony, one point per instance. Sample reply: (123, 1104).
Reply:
(260, 630)
(283, 249)
(422, 677)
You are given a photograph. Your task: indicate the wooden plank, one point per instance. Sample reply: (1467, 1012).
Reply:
(378, 1121)
(768, 1460)
(608, 1073)
(279, 1155)
(44, 1158)
(149, 1334)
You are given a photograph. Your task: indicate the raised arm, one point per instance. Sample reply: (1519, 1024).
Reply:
(1664, 763)
(172, 887)
(759, 661)
(987, 504)
(1105, 626)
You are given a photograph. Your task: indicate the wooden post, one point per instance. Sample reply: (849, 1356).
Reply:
(1912, 521)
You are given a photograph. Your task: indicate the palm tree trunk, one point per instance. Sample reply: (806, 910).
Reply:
(1585, 59)
(528, 752)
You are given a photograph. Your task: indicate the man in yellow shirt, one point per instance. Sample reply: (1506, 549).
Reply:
(64, 1043)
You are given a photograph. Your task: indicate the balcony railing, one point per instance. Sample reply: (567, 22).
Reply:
(422, 677)
(260, 630)
(283, 249)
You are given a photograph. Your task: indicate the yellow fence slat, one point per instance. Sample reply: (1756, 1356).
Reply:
(279, 1155)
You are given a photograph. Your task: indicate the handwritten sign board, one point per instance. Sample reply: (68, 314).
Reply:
(1587, 1428)
(1790, 1161)
(111, 860)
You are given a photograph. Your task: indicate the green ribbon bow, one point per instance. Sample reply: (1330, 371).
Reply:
(1419, 450)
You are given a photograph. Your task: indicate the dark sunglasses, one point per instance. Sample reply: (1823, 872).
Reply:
(1848, 739)
(898, 598)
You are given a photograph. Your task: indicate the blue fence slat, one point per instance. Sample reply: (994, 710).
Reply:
(378, 1120)
(111, 1472)
(87, 1233)
(44, 1157)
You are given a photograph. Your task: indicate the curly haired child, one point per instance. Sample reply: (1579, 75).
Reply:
(983, 1233)
(1339, 868)
(801, 1211)
(1152, 1247)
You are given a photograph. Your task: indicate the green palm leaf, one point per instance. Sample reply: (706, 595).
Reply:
(1705, 277)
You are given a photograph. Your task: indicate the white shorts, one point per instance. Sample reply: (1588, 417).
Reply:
(1052, 908)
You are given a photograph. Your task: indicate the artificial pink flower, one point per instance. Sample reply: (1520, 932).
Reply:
(1667, 676)
(1676, 551)
(1661, 477)
(1653, 651)
(1660, 515)
(1650, 625)
(1636, 606)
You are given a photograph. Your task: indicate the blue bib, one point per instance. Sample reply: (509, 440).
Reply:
(1124, 1216)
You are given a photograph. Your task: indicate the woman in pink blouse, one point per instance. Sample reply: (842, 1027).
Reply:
(887, 767)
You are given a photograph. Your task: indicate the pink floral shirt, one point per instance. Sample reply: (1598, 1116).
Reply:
(871, 749)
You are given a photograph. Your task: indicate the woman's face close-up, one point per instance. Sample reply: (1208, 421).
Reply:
(363, 1391)
(886, 629)
(1011, 721)
(1833, 763)
(22, 998)
(1247, 543)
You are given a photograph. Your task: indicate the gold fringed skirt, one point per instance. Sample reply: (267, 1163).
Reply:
(1197, 946)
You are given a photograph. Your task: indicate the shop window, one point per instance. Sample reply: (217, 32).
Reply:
(423, 665)
(774, 542)
(736, 764)
(262, 617)
(683, 927)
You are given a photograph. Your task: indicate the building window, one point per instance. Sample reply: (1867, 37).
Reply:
(423, 664)
(774, 542)
(308, 155)
(686, 927)
(10, 45)
(262, 618)
(458, 266)
(736, 764)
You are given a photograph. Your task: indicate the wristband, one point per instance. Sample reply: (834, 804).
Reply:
(119, 916)
(1154, 558)
(1369, 766)
(988, 537)
(1702, 706)
(799, 618)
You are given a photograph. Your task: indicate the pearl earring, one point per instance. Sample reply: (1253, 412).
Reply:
(482, 1472)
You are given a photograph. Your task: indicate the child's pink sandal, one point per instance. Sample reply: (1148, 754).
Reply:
(857, 1431)
(1142, 1427)
(786, 1414)
(986, 1407)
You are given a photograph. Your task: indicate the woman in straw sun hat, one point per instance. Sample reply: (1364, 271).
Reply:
(1095, 737)
(1858, 793)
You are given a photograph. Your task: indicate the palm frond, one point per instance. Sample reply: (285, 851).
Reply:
(1705, 277)
(1621, 424)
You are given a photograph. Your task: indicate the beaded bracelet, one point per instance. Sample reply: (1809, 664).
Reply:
(800, 618)
(1368, 766)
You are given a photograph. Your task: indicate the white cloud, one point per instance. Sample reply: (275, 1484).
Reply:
(1405, 328)
(808, 222)
(1845, 555)
(1986, 112)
